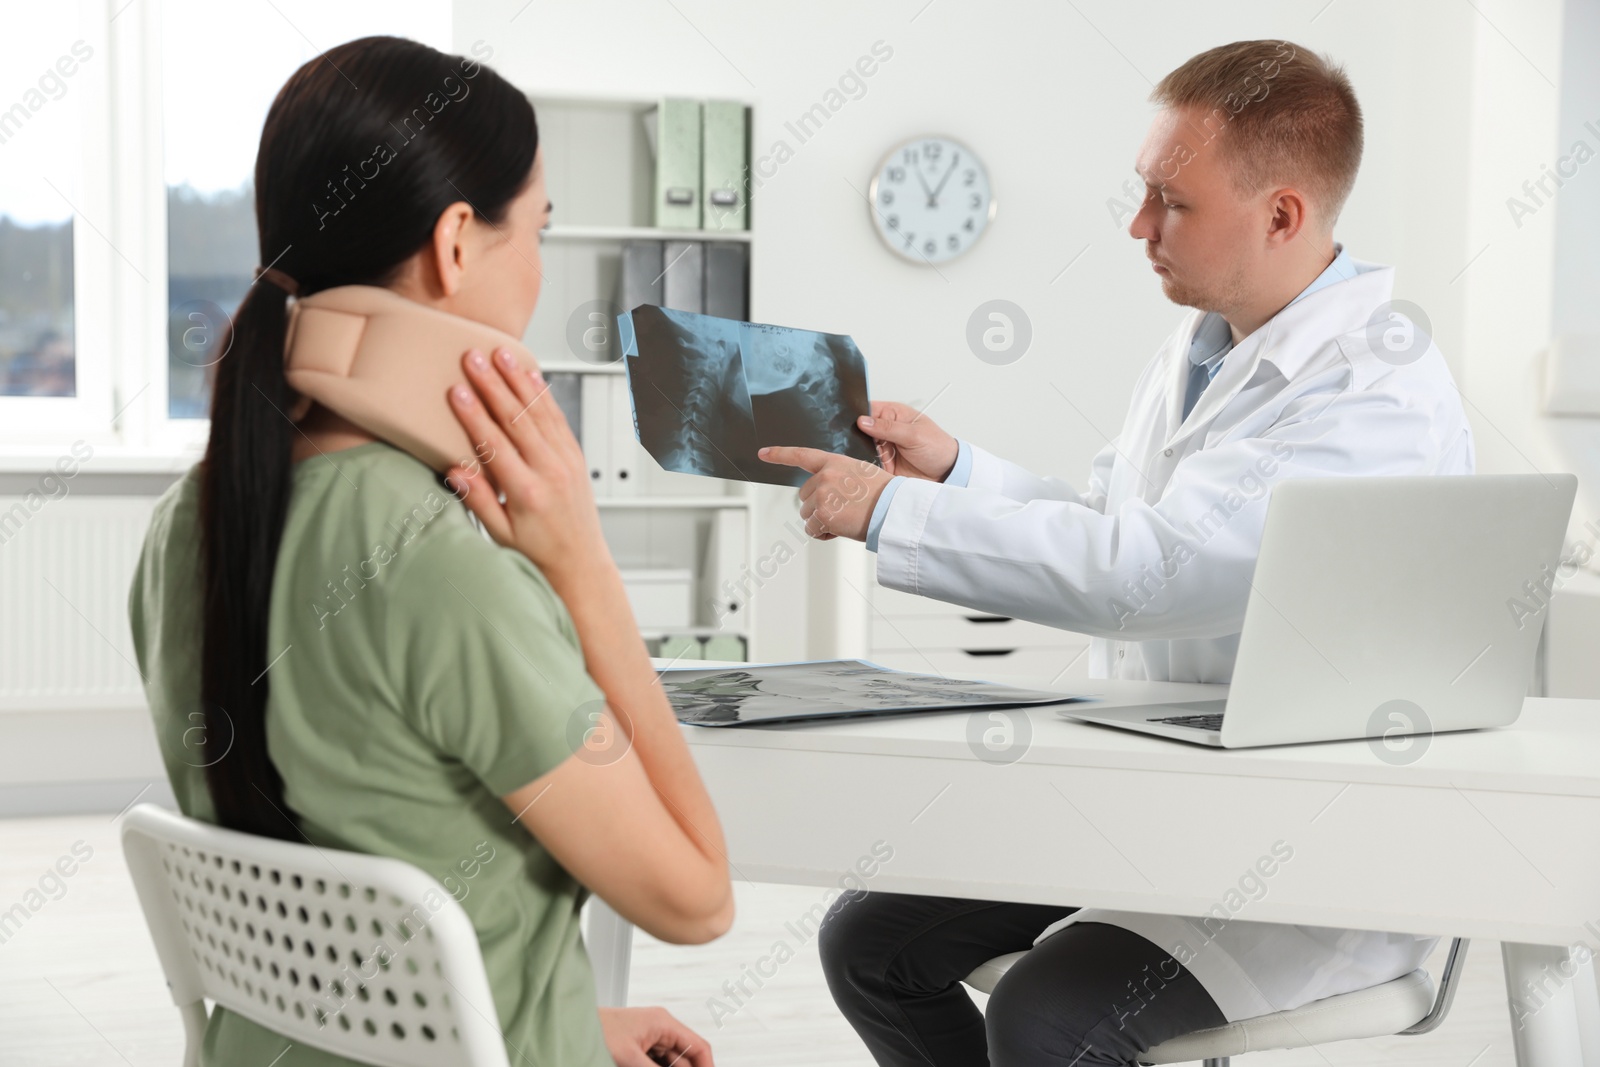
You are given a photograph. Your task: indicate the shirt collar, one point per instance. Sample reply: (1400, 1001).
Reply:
(1213, 338)
(1342, 269)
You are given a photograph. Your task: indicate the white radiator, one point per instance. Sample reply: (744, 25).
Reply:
(64, 574)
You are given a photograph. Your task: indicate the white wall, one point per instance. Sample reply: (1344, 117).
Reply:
(1577, 265)
(1510, 285)
(1053, 96)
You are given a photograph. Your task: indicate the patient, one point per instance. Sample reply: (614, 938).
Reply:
(332, 650)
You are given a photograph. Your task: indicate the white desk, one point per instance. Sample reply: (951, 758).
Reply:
(1100, 817)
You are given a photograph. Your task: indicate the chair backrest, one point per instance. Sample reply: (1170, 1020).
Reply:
(362, 956)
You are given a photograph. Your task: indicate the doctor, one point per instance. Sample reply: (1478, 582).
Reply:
(1289, 365)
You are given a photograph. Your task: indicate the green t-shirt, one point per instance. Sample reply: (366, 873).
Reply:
(418, 673)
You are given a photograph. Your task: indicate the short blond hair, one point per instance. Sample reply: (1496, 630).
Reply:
(1289, 115)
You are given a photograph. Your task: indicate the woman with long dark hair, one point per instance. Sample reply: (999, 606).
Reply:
(333, 652)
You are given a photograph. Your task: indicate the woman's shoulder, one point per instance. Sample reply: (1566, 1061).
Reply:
(177, 511)
(439, 555)
(169, 557)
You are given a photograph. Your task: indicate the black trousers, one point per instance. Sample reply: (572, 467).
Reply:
(1091, 994)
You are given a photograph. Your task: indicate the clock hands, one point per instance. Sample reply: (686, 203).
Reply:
(933, 201)
(950, 236)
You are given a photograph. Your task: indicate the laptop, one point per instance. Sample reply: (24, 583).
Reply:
(1382, 607)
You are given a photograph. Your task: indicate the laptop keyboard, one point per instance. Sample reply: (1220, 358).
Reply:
(1197, 722)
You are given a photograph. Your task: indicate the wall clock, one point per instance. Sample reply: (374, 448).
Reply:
(930, 199)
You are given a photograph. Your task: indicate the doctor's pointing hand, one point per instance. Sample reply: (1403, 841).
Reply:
(843, 494)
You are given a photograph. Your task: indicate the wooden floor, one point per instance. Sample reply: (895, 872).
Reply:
(80, 985)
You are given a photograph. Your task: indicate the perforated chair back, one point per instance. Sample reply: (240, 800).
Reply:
(362, 956)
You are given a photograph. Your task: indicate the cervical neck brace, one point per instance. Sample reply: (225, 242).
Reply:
(385, 363)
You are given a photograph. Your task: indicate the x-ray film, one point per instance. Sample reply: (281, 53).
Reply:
(708, 392)
(828, 689)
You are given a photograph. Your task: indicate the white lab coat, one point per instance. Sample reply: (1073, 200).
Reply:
(1154, 560)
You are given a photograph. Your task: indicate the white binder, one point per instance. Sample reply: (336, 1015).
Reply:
(725, 578)
(596, 431)
(627, 459)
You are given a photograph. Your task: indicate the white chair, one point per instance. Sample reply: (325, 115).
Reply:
(1406, 1005)
(362, 956)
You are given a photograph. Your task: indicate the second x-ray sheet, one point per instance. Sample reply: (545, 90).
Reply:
(826, 689)
(708, 392)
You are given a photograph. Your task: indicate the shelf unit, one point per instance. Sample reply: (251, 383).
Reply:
(640, 233)
(599, 173)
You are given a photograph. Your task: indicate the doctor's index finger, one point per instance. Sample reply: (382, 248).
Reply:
(810, 459)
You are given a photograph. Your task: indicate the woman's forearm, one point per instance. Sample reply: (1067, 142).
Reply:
(619, 662)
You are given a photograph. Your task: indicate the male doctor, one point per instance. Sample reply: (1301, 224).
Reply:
(1277, 372)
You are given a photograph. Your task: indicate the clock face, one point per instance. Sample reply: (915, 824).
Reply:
(931, 199)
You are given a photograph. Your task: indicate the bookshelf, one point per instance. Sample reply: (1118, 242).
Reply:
(640, 233)
(660, 525)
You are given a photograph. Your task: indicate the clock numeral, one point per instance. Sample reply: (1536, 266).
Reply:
(931, 150)
(930, 246)
(910, 157)
(967, 225)
(886, 197)
(977, 201)
(910, 237)
(893, 221)
(972, 176)
(897, 174)
(955, 243)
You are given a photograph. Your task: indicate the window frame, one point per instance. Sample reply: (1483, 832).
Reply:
(32, 421)
(120, 284)
(142, 372)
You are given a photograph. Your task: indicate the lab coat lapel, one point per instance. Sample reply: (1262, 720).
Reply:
(1237, 368)
(1287, 340)
(1178, 376)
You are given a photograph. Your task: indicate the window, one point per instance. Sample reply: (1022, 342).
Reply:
(40, 133)
(128, 136)
(215, 101)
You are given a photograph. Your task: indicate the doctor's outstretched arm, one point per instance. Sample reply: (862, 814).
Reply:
(1176, 568)
(912, 445)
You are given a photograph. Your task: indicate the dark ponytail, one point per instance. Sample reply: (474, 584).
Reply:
(349, 183)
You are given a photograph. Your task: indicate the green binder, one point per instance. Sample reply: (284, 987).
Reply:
(677, 200)
(681, 648)
(724, 179)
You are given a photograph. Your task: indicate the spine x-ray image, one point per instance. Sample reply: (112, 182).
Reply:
(708, 392)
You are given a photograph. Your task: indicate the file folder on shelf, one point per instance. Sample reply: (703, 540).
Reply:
(640, 280)
(726, 280)
(566, 389)
(724, 180)
(724, 577)
(596, 436)
(677, 143)
(626, 455)
(684, 277)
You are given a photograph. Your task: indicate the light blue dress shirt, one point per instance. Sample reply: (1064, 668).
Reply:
(1213, 340)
